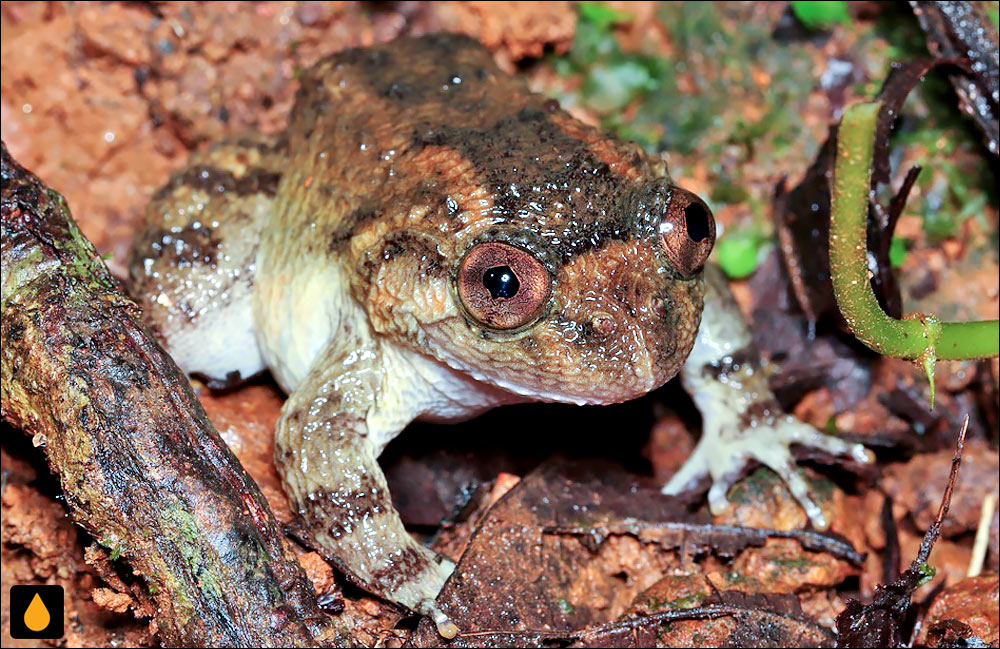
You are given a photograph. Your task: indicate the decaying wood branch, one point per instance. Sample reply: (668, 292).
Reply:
(963, 30)
(141, 467)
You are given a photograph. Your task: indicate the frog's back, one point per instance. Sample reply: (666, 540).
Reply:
(429, 128)
(404, 129)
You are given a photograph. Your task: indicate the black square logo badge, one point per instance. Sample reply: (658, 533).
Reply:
(36, 612)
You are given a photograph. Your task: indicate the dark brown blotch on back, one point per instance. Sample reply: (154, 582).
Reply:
(529, 165)
(394, 73)
(532, 158)
(222, 181)
(188, 246)
(403, 568)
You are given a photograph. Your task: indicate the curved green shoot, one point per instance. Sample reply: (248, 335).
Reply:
(919, 337)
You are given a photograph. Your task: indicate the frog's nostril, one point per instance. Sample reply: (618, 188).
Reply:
(687, 231)
(603, 324)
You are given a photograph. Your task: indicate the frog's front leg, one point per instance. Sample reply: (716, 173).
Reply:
(326, 442)
(742, 419)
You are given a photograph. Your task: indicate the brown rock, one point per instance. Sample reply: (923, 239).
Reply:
(109, 599)
(319, 573)
(972, 602)
(919, 483)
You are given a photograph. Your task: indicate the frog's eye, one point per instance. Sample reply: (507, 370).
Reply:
(687, 231)
(502, 286)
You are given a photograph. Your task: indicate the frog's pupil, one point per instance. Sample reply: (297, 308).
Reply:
(501, 281)
(696, 219)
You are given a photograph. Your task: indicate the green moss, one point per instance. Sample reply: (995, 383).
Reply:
(761, 481)
(655, 603)
(927, 572)
(187, 539)
(686, 601)
(800, 564)
(565, 607)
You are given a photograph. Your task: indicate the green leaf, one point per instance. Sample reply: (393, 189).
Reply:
(737, 253)
(897, 252)
(602, 15)
(820, 14)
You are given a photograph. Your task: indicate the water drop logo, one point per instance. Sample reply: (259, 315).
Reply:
(36, 612)
(37, 616)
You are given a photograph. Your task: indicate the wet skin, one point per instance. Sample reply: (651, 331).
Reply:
(428, 240)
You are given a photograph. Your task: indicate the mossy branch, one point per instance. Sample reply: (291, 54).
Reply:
(919, 337)
(141, 467)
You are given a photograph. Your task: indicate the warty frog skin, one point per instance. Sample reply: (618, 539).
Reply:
(429, 239)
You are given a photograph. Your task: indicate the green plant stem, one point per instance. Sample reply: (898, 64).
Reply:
(919, 337)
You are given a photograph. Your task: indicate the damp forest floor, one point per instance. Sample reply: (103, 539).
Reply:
(103, 100)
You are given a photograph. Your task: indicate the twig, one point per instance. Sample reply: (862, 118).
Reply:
(934, 531)
(982, 536)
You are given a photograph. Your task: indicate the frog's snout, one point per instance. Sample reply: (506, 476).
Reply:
(687, 230)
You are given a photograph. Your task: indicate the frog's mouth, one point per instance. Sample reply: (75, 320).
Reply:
(535, 392)
(530, 393)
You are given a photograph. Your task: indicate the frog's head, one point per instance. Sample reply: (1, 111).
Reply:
(599, 306)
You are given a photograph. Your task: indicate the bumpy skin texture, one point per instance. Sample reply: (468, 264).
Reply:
(333, 254)
(405, 155)
(193, 261)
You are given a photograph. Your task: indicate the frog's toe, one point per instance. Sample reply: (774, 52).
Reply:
(420, 595)
(779, 459)
(445, 627)
(718, 500)
(695, 468)
(724, 468)
(796, 432)
(773, 450)
(726, 447)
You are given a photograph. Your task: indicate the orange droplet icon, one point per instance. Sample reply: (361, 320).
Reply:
(36, 617)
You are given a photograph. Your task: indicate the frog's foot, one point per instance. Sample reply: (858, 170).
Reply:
(419, 593)
(727, 446)
(742, 419)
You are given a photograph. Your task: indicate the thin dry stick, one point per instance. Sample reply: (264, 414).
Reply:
(982, 536)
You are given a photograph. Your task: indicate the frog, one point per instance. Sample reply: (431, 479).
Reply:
(429, 239)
